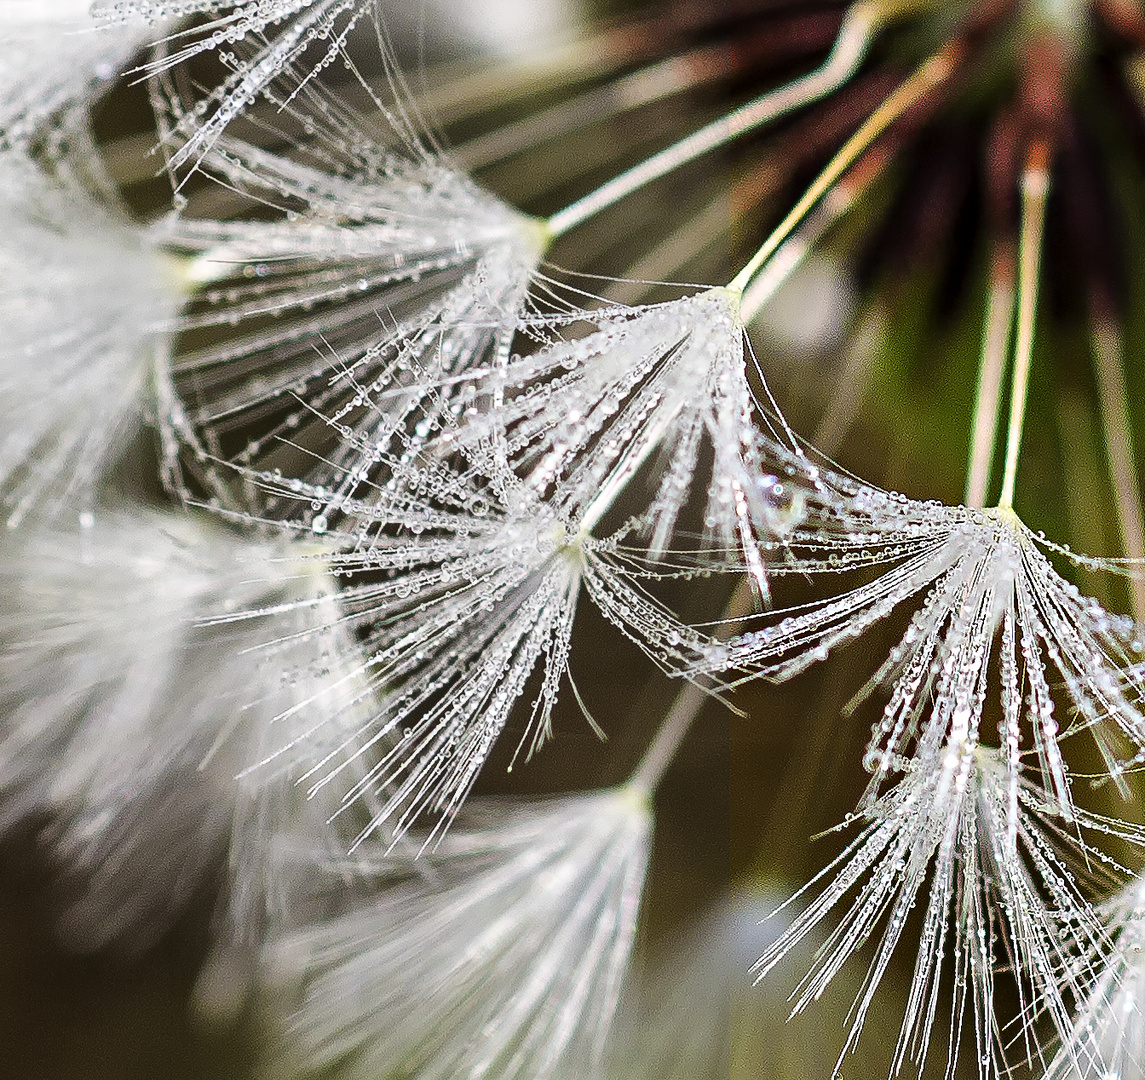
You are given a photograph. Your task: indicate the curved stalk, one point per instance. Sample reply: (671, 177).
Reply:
(789, 256)
(656, 82)
(928, 77)
(1118, 432)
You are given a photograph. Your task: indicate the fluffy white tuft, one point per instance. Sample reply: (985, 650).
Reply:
(991, 599)
(1107, 1039)
(499, 954)
(257, 42)
(144, 721)
(667, 384)
(994, 888)
(53, 55)
(346, 321)
(81, 300)
(459, 593)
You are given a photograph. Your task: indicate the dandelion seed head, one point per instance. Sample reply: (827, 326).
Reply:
(383, 286)
(989, 596)
(51, 57)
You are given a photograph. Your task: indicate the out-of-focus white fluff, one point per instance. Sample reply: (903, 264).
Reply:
(52, 55)
(81, 300)
(149, 732)
(1108, 1036)
(693, 1014)
(499, 954)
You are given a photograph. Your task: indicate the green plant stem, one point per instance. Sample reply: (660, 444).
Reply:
(859, 26)
(789, 256)
(1035, 190)
(927, 78)
(988, 396)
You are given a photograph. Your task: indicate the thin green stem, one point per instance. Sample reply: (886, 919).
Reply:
(662, 750)
(1035, 190)
(859, 26)
(685, 709)
(789, 256)
(988, 396)
(929, 76)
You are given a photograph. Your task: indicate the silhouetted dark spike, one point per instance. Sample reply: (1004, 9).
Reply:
(1042, 95)
(1001, 169)
(1123, 19)
(784, 40)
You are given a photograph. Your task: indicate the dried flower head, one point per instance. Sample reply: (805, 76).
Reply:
(990, 595)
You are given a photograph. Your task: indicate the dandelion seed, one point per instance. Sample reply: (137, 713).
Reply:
(307, 34)
(500, 953)
(992, 883)
(989, 590)
(81, 298)
(401, 273)
(130, 720)
(465, 592)
(667, 379)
